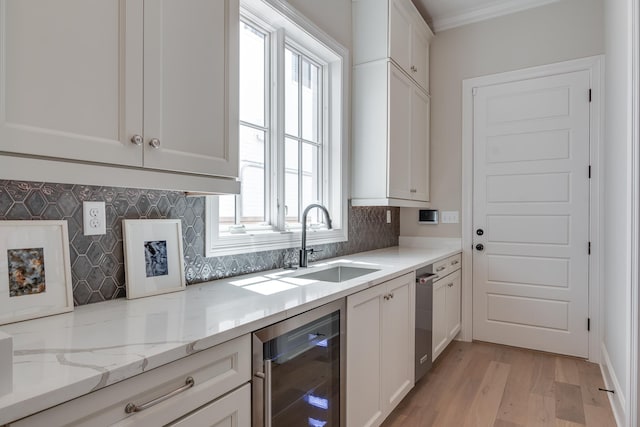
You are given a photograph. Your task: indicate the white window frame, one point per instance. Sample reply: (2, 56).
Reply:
(300, 32)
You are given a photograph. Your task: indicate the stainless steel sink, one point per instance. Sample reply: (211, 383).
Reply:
(339, 273)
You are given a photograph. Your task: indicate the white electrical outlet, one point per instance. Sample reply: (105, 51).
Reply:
(93, 218)
(449, 217)
(388, 216)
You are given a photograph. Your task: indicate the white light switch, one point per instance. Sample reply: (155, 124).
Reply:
(450, 217)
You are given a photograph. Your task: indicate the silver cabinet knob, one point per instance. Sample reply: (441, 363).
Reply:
(155, 143)
(136, 139)
(414, 69)
(413, 190)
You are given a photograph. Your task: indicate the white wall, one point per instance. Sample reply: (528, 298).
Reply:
(557, 32)
(617, 196)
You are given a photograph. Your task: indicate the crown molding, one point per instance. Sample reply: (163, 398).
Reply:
(493, 10)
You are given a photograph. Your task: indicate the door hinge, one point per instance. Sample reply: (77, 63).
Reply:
(474, 91)
(588, 323)
(589, 171)
(589, 248)
(589, 95)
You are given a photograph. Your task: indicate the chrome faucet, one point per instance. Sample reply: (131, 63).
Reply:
(304, 251)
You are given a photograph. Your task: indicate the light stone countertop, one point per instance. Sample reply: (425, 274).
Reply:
(62, 357)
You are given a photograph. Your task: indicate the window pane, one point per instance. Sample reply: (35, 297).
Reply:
(310, 101)
(227, 211)
(310, 178)
(291, 86)
(291, 180)
(252, 175)
(252, 75)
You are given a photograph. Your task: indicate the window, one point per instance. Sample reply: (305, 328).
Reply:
(293, 127)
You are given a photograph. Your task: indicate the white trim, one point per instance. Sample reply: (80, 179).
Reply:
(617, 399)
(257, 242)
(69, 172)
(494, 10)
(634, 374)
(594, 65)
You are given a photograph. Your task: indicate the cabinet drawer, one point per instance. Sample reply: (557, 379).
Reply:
(233, 409)
(215, 371)
(447, 265)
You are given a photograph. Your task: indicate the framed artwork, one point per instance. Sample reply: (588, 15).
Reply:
(35, 270)
(154, 263)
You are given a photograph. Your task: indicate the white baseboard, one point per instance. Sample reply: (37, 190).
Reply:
(617, 399)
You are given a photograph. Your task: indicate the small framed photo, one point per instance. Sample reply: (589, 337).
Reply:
(35, 270)
(154, 263)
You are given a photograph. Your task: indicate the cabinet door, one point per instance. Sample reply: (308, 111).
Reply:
(364, 333)
(453, 303)
(419, 145)
(67, 87)
(399, 174)
(398, 340)
(191, 86)
(400, 27)
(420, 56)
(439, 318)
(232, 410)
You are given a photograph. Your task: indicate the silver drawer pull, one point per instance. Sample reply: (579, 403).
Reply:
(450, 284)
(132, 407)
(454, 262)
(440, 268)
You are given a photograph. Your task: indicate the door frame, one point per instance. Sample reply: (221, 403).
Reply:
(594, 65)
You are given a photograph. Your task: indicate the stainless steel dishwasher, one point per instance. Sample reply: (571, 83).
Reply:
(298, 370)
(424, 320)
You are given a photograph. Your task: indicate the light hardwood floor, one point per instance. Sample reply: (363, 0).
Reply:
(481, 384)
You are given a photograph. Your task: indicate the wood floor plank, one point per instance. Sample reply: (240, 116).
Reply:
(514, 403)
(569, 405)
(541, 411)
(590, 381)
(455, 402)
(544, 374)
(484, 409)
(567, 370)
(599, 416)
(503, 423)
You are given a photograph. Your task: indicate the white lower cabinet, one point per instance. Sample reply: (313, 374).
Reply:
(446, 311)
(380, 350)
(191, 391)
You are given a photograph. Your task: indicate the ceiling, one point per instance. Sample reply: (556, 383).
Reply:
(445, 14)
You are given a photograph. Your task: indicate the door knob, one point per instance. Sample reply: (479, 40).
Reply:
(155, 143)
(479, 231)
(480, 247)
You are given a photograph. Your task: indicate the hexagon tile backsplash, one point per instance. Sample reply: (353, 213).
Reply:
(97, 262)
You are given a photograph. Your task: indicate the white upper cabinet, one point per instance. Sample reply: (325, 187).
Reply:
(190, 111)
(390, 162)
(69, 88)
(148, 85)
(392, 29)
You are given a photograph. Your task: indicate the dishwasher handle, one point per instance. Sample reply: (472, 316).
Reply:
(425, 278)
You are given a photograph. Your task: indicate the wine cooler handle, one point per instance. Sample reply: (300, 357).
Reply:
(267, 393)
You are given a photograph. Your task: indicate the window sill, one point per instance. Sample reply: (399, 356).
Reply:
(249, 243)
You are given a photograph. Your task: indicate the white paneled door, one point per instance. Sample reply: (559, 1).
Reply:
(531, 213)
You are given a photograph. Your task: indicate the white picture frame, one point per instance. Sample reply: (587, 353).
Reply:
(35, 270)
(153, 253)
